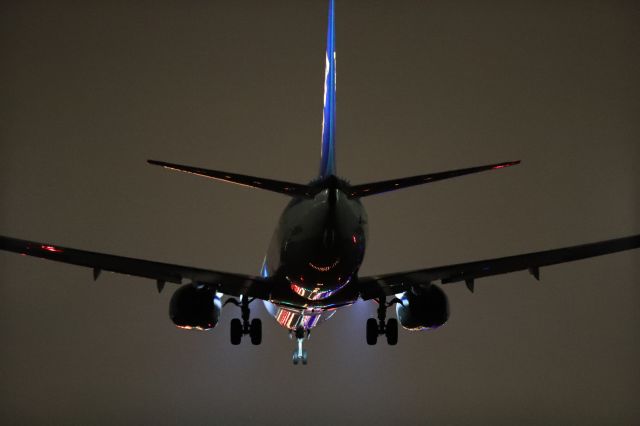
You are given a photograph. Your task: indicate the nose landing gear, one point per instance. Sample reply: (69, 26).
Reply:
(388, 328)
(241, 327)
(299, 354)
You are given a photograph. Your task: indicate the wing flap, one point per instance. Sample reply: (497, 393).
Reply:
(228, 283)
(388, 284)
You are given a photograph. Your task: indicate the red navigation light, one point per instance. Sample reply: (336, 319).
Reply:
(52, 249)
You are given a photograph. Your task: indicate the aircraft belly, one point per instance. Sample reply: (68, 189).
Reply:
(292, 318)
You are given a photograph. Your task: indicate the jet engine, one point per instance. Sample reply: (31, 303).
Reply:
(423, 308)
(195, 307)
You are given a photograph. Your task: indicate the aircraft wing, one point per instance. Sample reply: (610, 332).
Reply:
(223, 282)
(388, 284)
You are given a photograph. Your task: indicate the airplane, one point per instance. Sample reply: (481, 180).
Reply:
(311, 268)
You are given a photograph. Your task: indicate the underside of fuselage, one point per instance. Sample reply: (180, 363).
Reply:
(315, 255)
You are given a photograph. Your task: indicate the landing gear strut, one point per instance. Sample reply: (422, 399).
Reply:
(379, 327)
(300, 354)
(245, 326)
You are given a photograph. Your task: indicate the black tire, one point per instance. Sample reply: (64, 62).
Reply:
(305, 357)
(392, 331)
(236, 331)
(372, 331)
(255, 332)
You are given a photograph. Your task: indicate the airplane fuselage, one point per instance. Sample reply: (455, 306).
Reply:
(314, 257)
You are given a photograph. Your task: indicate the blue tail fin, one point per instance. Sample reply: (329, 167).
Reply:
(328, 156)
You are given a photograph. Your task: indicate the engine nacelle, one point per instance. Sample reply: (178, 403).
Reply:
(194, 307)
(423, 309)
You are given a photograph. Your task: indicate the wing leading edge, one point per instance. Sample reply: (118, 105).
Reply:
(224, 282)
(388, 284)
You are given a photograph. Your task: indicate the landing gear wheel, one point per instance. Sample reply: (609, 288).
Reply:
(372, 331)
(255, 331)
(391, 331)
(236, 331)
(300, 357)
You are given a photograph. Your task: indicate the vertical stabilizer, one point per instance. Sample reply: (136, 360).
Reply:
(328, 156)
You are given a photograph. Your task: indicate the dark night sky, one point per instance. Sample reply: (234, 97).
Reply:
(90, 89)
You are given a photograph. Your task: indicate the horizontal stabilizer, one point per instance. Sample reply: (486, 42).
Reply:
(288, 188)
(373, 188)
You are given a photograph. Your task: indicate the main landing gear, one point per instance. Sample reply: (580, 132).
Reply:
(241, 327)
(379, 327)
(300, 354)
